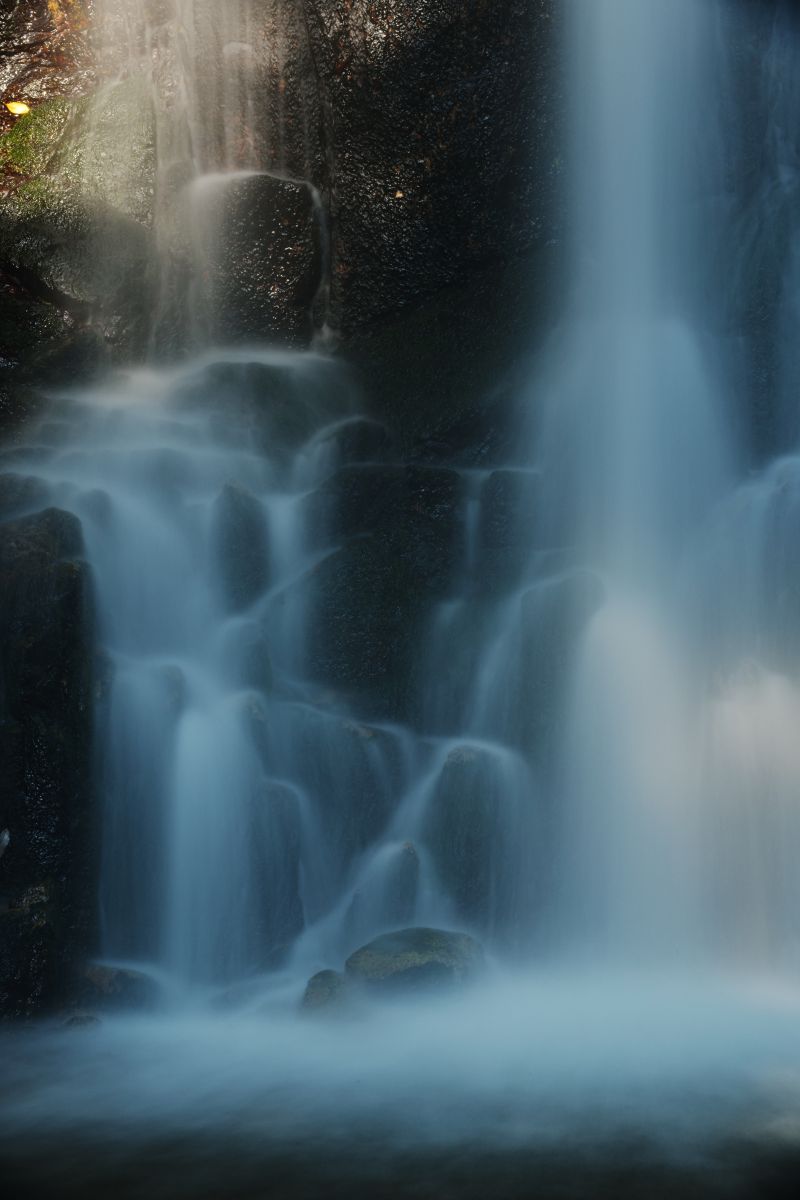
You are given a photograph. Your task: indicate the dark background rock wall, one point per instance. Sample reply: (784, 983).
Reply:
(47, 892)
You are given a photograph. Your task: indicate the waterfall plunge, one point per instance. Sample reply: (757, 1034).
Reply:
(624, 797)
(675, 782)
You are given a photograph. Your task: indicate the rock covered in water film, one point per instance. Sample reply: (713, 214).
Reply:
(464, 823)
(415, 959)
(327, 990)
(117, 988)
(241, 547)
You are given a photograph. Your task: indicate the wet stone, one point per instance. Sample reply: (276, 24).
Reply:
(241, 547)
(20, 493)
(327, 991)
(113, 988)
(415, 960)
(463, 830)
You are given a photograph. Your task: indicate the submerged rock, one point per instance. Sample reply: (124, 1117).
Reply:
(415, 959)
(328, 991)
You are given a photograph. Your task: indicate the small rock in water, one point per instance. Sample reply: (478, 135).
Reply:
(119, 988)
(327, 990)
(81, 1020)
(416, 959)
(5, 840)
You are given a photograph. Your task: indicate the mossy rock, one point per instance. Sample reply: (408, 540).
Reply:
(327, 991)
(28, 148)
(415, 959)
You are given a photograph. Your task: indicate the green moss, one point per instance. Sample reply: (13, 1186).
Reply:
(28, 147)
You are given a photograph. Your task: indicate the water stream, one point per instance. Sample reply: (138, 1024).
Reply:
(603, 779)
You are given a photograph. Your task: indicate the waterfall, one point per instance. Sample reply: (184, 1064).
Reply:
(596, 760)
(674, 778)
(547, 696)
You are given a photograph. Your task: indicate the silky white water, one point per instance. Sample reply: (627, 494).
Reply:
(603, 780)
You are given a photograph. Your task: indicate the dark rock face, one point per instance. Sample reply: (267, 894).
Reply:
(415, 959)
(241, 553)
(45, 747)
(439, 138)
(45, 51)
(404, 531)
(268, 272)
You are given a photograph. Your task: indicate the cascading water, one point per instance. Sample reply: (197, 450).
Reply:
(600, 778)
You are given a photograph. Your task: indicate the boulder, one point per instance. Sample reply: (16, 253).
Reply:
(267, 270)
(553, 617)
(276, 847)
(46, 652)
(117, 988)
(474, 828)
(401, 885)
(327, 991)
(20, 493)
(506, 529)
(81, 1020)
(240, 547)
(403, 536)
(33, 950)
(415, 960)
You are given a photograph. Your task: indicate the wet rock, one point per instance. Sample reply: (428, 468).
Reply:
(554, 615)
(328, 992)
(461, 395)
(405, 531)
(441, 140)
(276, 847)
(278, 405)
(45, 746)
(415, 960)
(268, 270)
(81, 1020)
(402, 883)
(359, 440)
(33, 964)
(350, 773)
(465, 829)
(19, 493)
(506, 528)
(115, 988)
(241, 552)
(65, 231)
(255, 663)
(45, 51)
